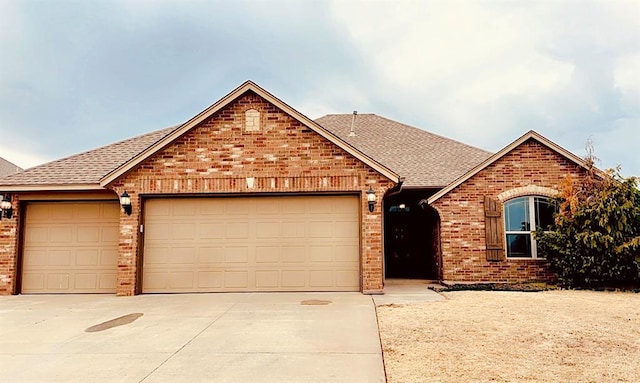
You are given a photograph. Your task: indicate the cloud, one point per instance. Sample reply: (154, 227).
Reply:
(486, 72)
(77, 75)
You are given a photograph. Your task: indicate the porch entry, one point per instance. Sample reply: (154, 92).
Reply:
(411, 237)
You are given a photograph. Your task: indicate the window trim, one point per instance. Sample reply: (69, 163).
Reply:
(533, 225)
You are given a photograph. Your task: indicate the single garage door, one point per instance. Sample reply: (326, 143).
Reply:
(308, 243)
(70, 247)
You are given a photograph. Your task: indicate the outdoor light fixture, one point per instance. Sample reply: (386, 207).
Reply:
(6, 210)
(371, 199)
(125, 202)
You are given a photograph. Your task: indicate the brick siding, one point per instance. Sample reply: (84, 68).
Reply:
(529, 169)
(283, 156)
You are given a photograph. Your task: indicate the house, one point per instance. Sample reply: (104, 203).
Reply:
(251, 195)
(7, 167)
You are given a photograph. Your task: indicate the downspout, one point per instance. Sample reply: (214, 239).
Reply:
(396, 189)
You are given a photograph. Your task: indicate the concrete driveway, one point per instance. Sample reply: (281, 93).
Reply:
(258, 337)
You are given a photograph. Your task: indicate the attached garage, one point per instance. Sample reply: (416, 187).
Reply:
(275, 243)
(70, 247)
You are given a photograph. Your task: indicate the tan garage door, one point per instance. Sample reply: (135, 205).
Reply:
(70, 247)
(251, 244)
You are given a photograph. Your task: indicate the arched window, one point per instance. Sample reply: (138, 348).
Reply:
(521, 217)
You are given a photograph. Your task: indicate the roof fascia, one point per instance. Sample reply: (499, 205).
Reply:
(223, 102)
(529, 135)
(31, 188)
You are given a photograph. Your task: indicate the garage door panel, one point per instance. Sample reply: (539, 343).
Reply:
(346, 229)
(61, 212)
(181, 280)
(293, 278)
(236, 254)
(237, 230)
(70, 247)
(182, 231)
(267, 279)
(346, 278)
(321, 278)
(236, 279)
(159, 255)
(89, 257)
(107, 281)
(90, 212)
(110, 234)
(183, 255)
(294, 254)
(60, 258)
(58, 282)
(86, 281)
(295, 229)
(211, 230)
(321, 253)
(109, 257)
(236, 207)
(210, 279)
(321, 229)
(254, 244)
(267, 254)
(267, 230)
(61, 234)
(89, 234)
(210, 255)
(157, 230)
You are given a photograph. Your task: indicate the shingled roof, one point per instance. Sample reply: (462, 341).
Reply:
(85, 170)
(424, 159)
(7, 167)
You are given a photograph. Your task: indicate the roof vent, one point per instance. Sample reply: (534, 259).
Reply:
(352, 133)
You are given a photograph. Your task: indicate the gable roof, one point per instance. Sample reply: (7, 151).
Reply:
(423, 158)
(527, 136)
(7, 167)
(239, 91)
(95, 169)
(81, 171)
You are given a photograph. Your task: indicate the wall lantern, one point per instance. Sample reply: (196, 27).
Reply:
(6, 210)
(125, 202)
(371, 199)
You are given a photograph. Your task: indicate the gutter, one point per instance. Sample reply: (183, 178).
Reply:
(396, 189)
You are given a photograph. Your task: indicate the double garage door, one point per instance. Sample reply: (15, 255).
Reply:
(306, 243)
(251, 244)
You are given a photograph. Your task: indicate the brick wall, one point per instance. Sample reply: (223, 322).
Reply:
(9, 249)
(283, 156)
(529, 169)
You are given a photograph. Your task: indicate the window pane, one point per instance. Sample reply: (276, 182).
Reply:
(517, 215)
(544, 213)
(519, 245)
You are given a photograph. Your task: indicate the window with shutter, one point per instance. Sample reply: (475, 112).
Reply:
(493, 229)
(522, 216)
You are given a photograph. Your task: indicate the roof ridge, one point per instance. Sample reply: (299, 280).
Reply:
(408, 126)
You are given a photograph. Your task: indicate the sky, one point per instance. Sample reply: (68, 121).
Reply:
(77, 75)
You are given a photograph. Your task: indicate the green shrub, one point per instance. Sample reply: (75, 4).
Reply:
(596, 240)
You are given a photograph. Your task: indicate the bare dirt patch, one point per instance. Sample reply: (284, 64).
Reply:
(496, 336)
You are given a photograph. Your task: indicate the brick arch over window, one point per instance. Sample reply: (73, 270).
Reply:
(527, 191)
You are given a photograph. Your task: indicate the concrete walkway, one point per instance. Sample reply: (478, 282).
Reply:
(261, 337)
(401, 291)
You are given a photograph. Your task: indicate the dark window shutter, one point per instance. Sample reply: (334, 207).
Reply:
(494, 229)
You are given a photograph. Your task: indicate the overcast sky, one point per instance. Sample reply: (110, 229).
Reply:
(76, 75)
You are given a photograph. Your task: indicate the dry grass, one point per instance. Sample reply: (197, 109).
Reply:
(484, 336)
